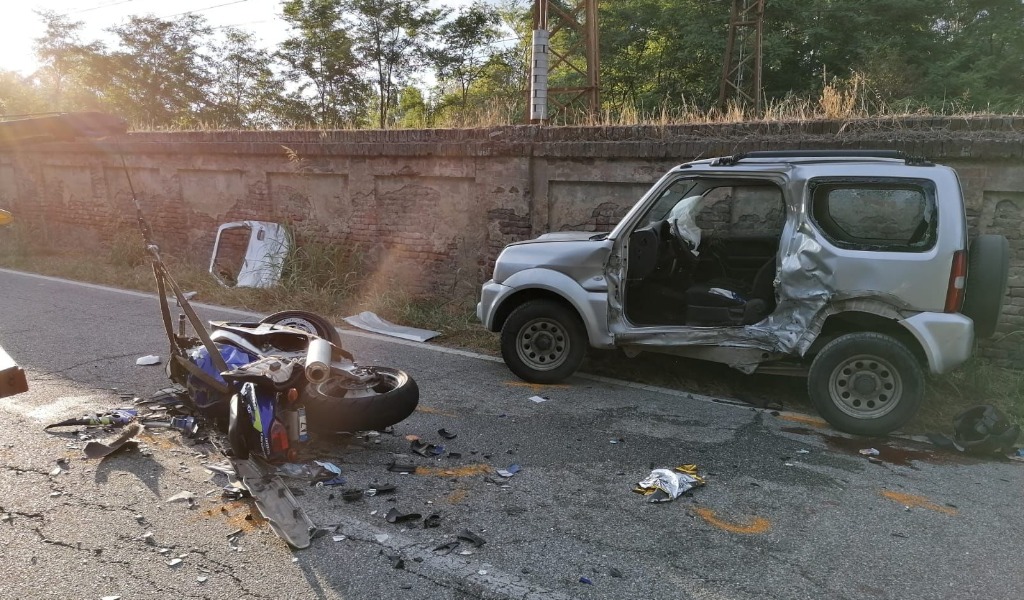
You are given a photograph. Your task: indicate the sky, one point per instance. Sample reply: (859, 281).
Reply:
(20, 25)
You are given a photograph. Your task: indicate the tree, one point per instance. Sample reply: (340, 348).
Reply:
(465, 47)
(64, 61)
(391, 39)
(19, 95)
(160, 73)
(246, 91)
(319, 57)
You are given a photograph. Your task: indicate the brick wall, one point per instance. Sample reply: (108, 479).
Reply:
(431, 209)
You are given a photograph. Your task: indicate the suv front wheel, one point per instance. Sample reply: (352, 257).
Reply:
(543, 341)
(866, 383)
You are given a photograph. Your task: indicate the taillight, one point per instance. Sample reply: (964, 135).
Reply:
(957, 282)
(278, 441)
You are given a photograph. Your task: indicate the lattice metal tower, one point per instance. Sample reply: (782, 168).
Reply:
(741, 67)
(581, 56)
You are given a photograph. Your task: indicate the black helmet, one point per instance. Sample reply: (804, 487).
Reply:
(984, 429)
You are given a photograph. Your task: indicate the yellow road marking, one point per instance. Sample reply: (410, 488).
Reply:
(463, 471)
(805, 419)
(918, 501)
(432, 411)
(536, 387)
(755, 526)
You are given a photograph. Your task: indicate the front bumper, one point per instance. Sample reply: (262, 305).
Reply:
(491, 295)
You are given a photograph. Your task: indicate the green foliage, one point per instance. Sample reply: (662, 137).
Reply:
(351, 63)
(320, 60)
(391, 38)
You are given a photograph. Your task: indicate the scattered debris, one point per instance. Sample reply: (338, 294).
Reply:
(380, 488)
(665, 485)
(371, 322)
(510, 471)
(381, 537)
(201, 579)
(394, 516)
(586, 581)
(447, 434)
(447, 548)
(174, 562)
(538, 399)
(455, 455)
(426, 450)
(147, 361)
(870, 452)
(338, 538)
(403, 468)
(468, 536)
(352, 495)
(99, 450)
(615, 572)
(803, 451)
(114, 418)
(617, 441)
(433, 520)
(183, 496)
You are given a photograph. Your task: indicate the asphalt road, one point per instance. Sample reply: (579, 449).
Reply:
(790, 509)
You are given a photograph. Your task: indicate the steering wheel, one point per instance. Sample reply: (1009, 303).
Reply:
(680, 249)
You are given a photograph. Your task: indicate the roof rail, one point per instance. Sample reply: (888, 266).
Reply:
(728, 161)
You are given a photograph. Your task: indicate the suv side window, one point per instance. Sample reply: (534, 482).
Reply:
(893, 215)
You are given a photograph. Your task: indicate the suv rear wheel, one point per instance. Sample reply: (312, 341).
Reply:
(866, 383)
(543, 341)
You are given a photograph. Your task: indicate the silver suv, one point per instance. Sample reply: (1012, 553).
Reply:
(847, 267)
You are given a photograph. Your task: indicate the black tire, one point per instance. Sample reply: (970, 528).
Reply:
(866, 383)
(543, 341)
(987, 272)
(308, 322)
(239, 428)
(331, 406)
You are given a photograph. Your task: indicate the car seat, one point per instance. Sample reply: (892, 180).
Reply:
(725, 302)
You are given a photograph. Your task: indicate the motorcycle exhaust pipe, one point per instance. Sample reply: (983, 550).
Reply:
(318, 361)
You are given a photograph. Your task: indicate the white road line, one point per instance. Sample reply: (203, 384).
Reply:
(383, 338)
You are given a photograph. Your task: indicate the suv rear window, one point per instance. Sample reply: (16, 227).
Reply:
(875, 215)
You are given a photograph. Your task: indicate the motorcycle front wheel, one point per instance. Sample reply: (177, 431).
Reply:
(339, 404)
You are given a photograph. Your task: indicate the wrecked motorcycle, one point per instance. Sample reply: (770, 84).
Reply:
(277, 381)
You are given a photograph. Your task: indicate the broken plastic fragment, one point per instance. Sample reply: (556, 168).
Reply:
(56, 471)
(148, 360)
(394, 516)
(586, 581)
(471, 537)
(481, 572)
(381, 537)
(338, 538)
(184, 496)
(870, 452)
(174, 562)
(539, 399)
(202, 579)
(351, 495)
(447, 547)
(510, 471)
(446, 434)
(433, 520)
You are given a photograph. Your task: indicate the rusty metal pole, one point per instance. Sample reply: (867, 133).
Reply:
(593, 49)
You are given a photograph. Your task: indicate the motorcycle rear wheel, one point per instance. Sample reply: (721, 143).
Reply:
(337, 405)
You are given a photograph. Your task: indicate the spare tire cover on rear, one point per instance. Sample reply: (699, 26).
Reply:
(987, 271)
